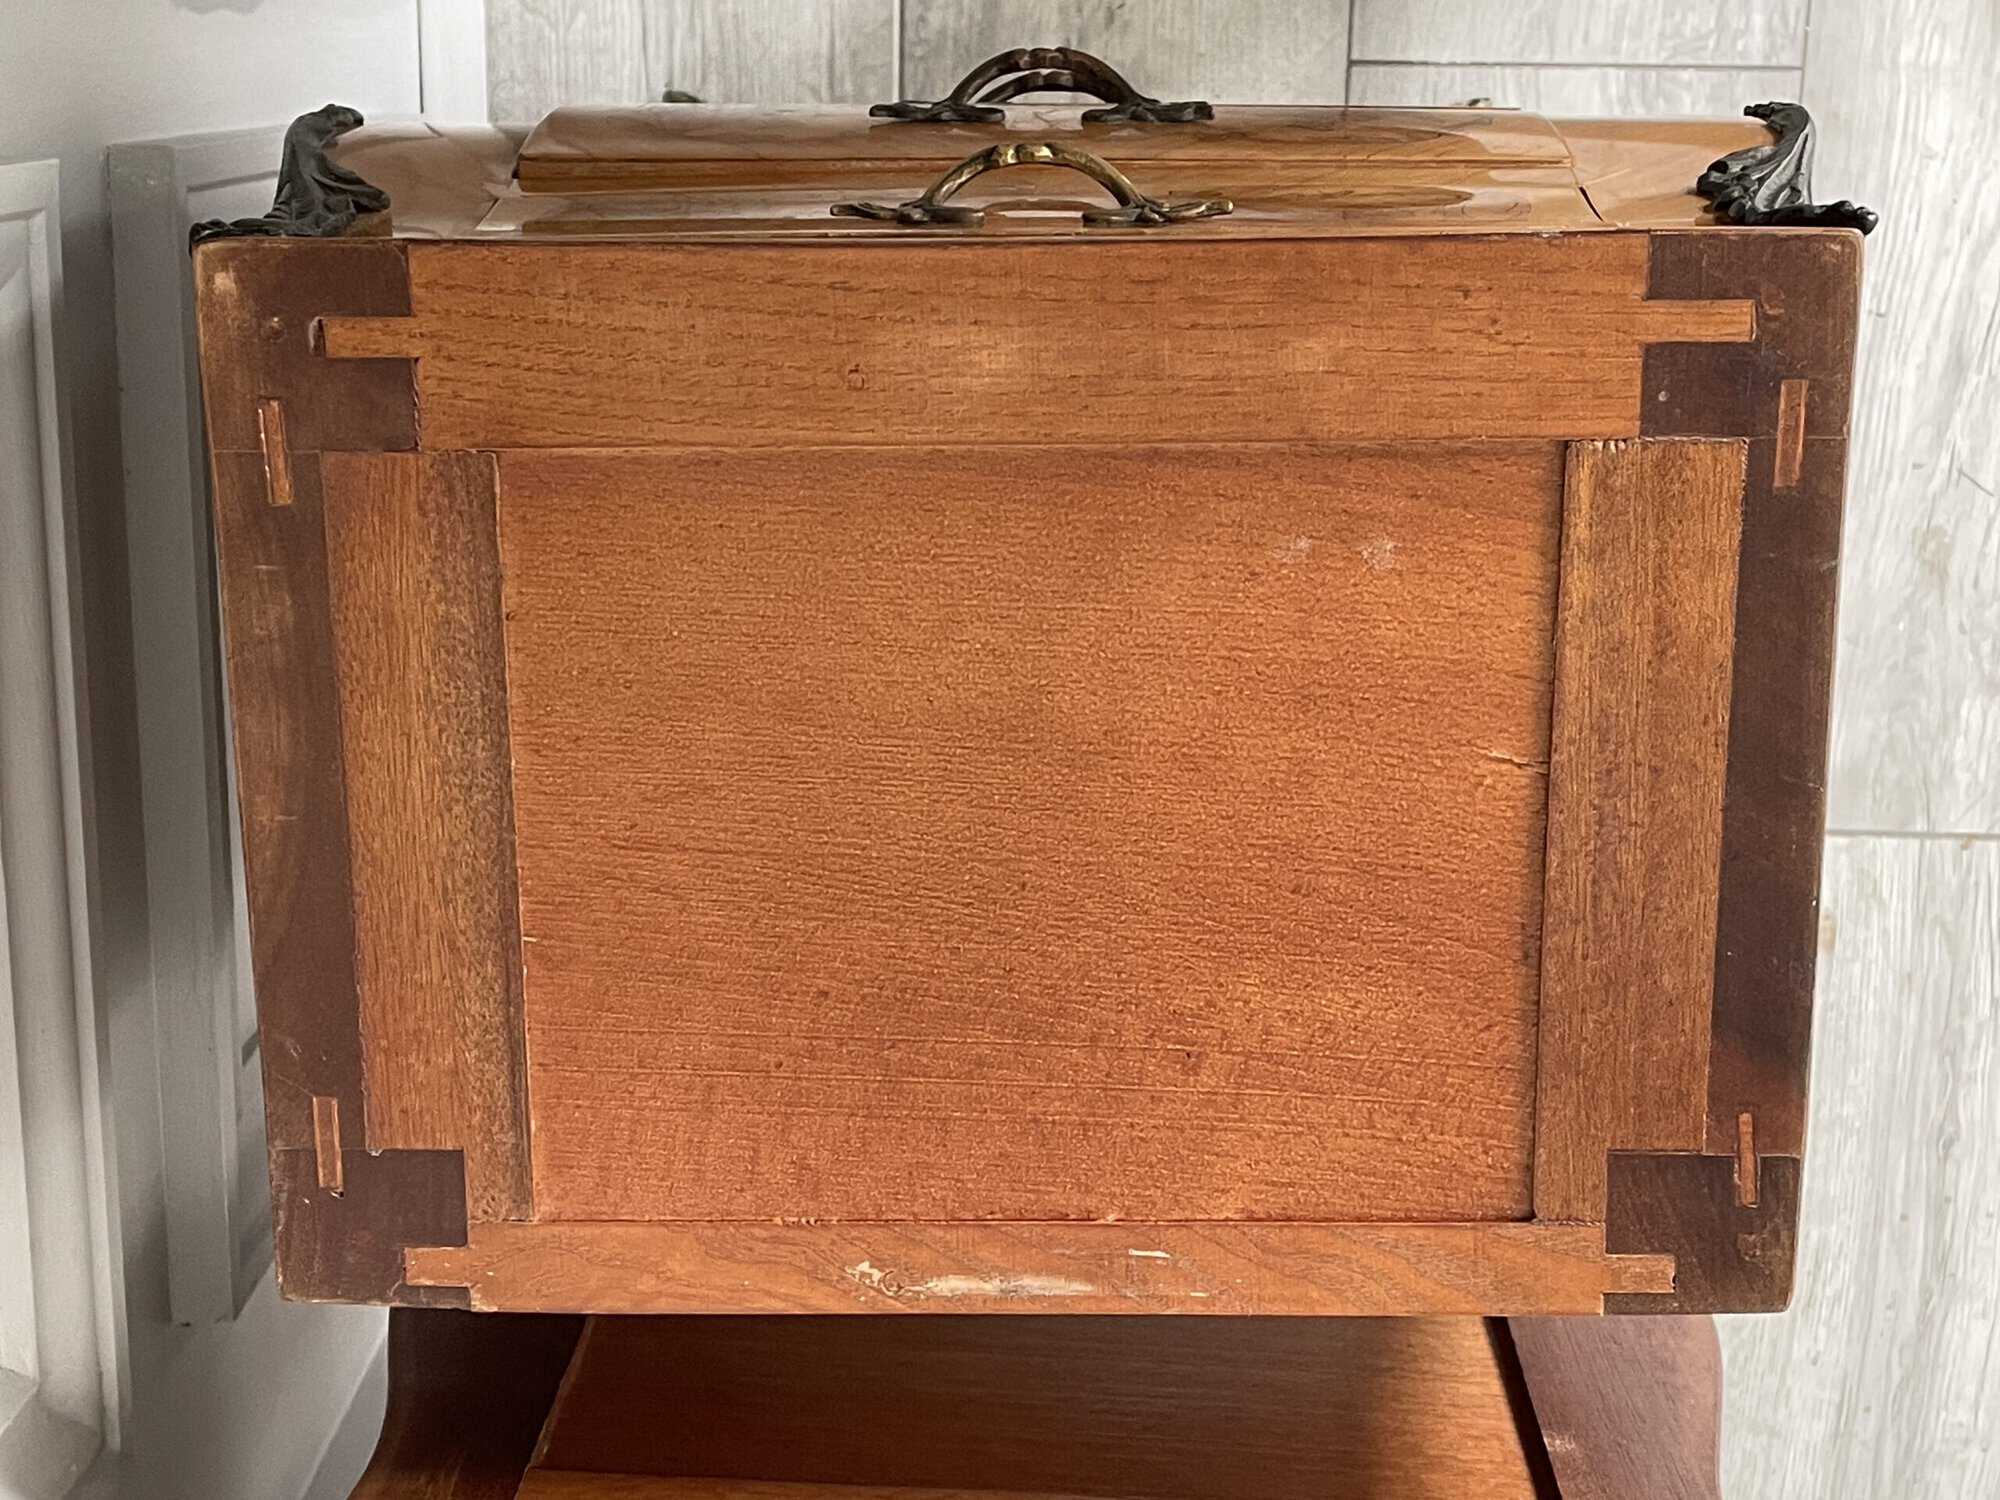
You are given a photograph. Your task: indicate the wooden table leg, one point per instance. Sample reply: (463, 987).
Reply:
(468, 1393)
(1629, 1408)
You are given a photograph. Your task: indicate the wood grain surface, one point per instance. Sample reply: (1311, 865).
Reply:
(1573, 89)
(1774, 794)
(1904, 95)
(1512, 336)
(1734, 1249)
(290, 797)
(1625, 1408)
(1283, 1409)
(414, 587)
(1644, 637)
(1737, 33)
(1881, 1380)
(770, 51)
(257, 307)
(1328, 1270)
(345, 1243)
(572, 1484)
(542, 53)
(255, 314)
(721, 145)
(1156, 836)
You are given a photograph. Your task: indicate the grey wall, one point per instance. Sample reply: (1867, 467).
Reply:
(1884, 1379)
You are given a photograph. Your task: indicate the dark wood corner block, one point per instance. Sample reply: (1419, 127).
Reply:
(342, 1235)
(1731, 1226)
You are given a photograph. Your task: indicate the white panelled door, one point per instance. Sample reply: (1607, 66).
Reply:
(57, 1386)
(211, 1087)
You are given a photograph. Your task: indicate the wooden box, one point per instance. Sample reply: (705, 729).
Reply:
(1259, 763)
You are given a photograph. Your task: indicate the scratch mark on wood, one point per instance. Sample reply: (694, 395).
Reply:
(1791, 446)
(1000, 1284)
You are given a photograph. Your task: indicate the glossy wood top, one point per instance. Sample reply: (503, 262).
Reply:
(650, 141)
(734, 173)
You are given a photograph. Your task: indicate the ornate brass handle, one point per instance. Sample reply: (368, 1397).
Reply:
(1134, 207)
(1042, 69)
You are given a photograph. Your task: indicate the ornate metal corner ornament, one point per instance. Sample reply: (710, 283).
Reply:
(1772, 184)
(1041, 70)
(315, 197)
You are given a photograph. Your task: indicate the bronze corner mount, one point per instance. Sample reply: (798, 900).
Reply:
(315, 196)
(1772, 184)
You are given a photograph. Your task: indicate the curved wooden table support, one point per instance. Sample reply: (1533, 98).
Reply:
(1626, 1408)
(530, 1407)
(468, 1395)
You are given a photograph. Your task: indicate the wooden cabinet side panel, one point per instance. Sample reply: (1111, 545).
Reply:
(272, 403)
(344, 1210)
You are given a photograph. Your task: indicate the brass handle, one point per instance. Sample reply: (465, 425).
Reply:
(1043, 69)
(1134, 207)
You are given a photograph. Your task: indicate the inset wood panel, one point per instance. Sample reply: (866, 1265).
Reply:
(600, 346)
(1133, 834)
(1175, 1410)
(1749, 33)
(1643, 646)
(1275, 53)
(1625, 93)
(1326, 1270)
(414, 584)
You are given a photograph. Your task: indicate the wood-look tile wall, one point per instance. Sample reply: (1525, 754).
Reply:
(1883, 1379)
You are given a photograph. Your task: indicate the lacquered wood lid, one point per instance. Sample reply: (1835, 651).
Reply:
(662, 145)
(737, 172)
